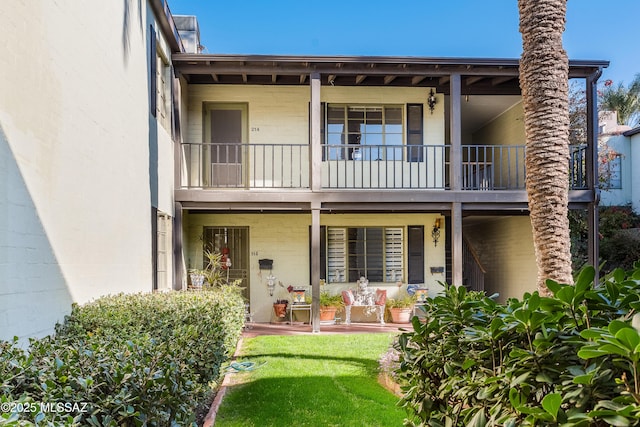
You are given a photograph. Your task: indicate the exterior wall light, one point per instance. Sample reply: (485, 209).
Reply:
(435, 233)
(431, 101)
(271, 283)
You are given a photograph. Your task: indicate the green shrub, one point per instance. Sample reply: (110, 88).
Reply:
(619, 248)
(569, 360)
(133, 359)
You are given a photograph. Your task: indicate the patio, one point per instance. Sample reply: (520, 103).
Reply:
(257, 329)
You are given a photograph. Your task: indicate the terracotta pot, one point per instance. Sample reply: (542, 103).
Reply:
(328, 313)
(280, 309)
(400, 314)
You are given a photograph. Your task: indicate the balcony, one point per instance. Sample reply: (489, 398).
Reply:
(287, 166)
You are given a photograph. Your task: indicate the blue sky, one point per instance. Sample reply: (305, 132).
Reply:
(596, 29)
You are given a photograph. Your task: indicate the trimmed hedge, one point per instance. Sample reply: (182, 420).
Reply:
(568, 360)
(143, 359)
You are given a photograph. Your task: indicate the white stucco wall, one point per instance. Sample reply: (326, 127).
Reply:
(75, 199)
(621, 196)
(635, 171)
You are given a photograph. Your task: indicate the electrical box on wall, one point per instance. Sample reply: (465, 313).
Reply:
(266, 264)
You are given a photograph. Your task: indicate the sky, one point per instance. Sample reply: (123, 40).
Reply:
(595, 29)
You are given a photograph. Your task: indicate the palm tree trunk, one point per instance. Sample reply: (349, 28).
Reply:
(544, 77)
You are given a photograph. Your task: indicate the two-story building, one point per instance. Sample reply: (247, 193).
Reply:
(135, 152)
(397, 169)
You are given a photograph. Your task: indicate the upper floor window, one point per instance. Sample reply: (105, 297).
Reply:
(163, 87)
(364, 132)
(160, 83)
(611, 171)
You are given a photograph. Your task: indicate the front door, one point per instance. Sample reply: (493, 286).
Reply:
(233, 242)
(225, 133)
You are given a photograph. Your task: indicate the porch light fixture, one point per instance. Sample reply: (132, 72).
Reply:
(431, 101)
(435, 233)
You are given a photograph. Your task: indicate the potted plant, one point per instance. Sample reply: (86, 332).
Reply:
(400, 308)
(280, 307)
(329, 304)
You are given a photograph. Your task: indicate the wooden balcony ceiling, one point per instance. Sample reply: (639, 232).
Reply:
(479, 76)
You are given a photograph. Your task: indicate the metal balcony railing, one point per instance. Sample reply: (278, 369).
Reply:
(256, 166)
(493, 167)
(384, 166)
(235, 165)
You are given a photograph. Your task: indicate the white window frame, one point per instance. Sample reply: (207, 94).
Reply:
(164, 250)
(163, 90)
(337, 151)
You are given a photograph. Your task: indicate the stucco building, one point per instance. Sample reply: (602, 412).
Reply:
(126, 152)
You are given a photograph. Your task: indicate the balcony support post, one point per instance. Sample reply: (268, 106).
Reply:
(593, 250)
(455, 161)
(179, 278)
(315, 168)
(455, 177)
(315, 266)
(456, 243)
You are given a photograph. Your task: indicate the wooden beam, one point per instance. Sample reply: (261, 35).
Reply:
(315, 266)
(215, 77)
(417, 79)
(471, 80)
(244, 77)
(444, 80)
(499, 80)
(303, 78)
(274, 78)
(389, 79)
(360, 78)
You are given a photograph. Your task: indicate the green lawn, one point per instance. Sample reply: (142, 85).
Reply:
(311, 380)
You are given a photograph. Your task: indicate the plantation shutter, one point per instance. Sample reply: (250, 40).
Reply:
(336, 254)
(415, 132)
(393, 250)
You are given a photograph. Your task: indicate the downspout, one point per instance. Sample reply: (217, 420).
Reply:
(593, 214)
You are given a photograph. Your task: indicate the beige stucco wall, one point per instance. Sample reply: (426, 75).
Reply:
(76, 193)
(508, 162)
(505, 248)
(506, 129)
(285, 239)
(280, 114)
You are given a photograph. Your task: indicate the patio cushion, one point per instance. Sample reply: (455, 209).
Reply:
(347, 297)
(381, 296)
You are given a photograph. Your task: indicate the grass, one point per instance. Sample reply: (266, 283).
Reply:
(311, 380)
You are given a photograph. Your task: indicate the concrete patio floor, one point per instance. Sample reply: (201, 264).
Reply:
(256, 329)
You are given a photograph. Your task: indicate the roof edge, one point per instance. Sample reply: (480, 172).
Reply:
(632, 132)
(426, 60)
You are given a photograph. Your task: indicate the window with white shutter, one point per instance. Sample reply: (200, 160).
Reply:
(393, 250)
(336, 254)
(372, 252)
